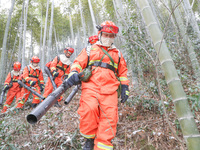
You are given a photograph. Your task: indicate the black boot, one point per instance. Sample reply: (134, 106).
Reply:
(89, 144)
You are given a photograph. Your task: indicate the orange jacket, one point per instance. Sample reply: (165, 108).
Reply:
(14, 79)
(102, 79)
(34, 75)
(59, 67)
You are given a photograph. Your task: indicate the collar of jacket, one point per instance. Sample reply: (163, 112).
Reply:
(34, 68)
(112, 46)
(16, 73)
(64, 59)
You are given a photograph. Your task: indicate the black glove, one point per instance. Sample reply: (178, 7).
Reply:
(41, 87)
(124, 93)
(73, 78)
(32, 83)
(6, 87)
(55, 74)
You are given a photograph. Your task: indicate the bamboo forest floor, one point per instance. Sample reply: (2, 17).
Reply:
(141, 125)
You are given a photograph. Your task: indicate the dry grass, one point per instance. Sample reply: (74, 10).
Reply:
(138, 128)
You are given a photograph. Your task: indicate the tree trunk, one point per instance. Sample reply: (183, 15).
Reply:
(71, 27)
(31, 46)
(186, 119)
(57, 46)
(50, 33)
(40, 50)
(3, 53)
(186, 40)
(13, 49)
(83, 23)
(20, 35)
(191, 17)
(24, 34)
(44, 37)
(92, 15)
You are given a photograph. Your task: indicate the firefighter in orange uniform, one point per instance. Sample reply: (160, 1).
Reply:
(99, 98)
(33, 76)
(12, 86)
(59, 67)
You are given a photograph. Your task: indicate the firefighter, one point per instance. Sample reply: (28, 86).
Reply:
(99, 97)
(33, 76)
(59, 67)
(93, 39)
(12, 86)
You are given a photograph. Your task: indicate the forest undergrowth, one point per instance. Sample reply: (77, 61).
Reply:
(141, 126)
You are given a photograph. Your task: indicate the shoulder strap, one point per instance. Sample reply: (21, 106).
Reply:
(112, 59)
(119, 53)
(21, 72)
(28, 68)
(58, 59)
(11, 81)
(108, 55)
(11, 74)
(88, 49)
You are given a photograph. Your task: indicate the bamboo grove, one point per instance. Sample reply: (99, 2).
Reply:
(160, 40)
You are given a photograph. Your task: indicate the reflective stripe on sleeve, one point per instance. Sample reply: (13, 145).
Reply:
(127, 92)
(76, 66)
(26, 78)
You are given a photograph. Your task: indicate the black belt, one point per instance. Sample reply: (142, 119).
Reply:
(60, 68)
(103, 65)
(33, 76)
(14, 81)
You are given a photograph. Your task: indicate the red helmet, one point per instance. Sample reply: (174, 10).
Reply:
(17, 66)
(71, 50)
(93, 39)
(35, 59)
(109, 27)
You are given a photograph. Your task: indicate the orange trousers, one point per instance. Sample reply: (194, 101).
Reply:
(49, 87)
(98, 117)
(11, 95)
(25, 94)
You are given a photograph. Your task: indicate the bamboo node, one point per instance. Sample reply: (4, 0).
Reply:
(192, 136)
(144, 8)
(188, 117)
(166, 60)
(179, 99)
(174, 79)
(151, 24)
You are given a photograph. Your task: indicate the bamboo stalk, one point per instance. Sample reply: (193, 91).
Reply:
(183, 112)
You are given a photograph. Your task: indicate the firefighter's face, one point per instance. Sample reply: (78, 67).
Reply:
(68, 54)
(35, 64)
